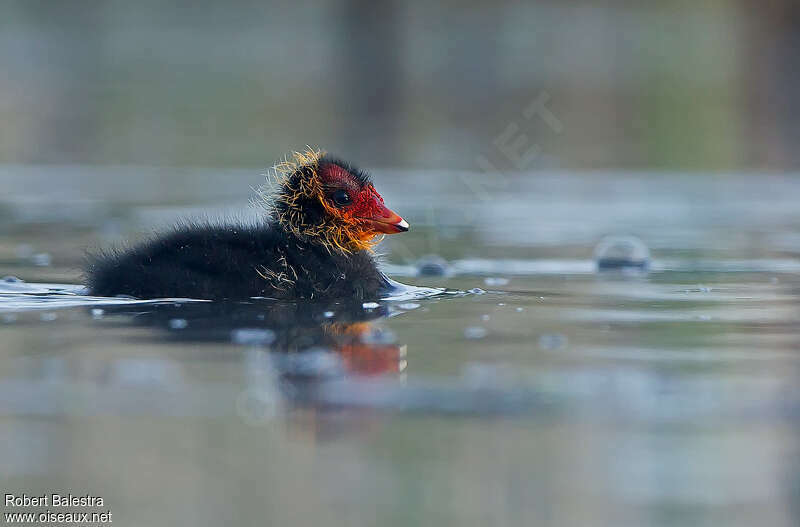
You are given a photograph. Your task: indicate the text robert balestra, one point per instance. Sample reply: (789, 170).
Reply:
(53, 500)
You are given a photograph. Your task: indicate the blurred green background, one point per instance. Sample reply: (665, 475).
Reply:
(658, 85)
(561, 398)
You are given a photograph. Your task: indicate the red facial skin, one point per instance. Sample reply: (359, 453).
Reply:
(367, 205)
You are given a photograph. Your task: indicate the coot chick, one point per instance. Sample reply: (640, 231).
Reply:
(315, 242)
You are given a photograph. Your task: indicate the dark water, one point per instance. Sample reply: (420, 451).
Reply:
(534, 390)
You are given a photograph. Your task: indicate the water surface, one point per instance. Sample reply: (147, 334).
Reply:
(534, 391)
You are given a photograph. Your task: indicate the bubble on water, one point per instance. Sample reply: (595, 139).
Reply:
(42, 259)
(494, 281)
(408, 306)
(379, 336)
(97, 313)
(475, 332)
(11, 280)
(253, 336)
(48, 316)
(485, 318)
(178, 323)
(621, 253)
(370, 305)
(476, 291)
(433, 265)
(9, 318)
(553, 341)
(328, 314)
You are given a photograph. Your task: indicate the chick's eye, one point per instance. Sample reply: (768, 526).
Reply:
(341, 198)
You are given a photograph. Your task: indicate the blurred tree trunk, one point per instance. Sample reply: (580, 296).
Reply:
(771, 73)
(367, 84)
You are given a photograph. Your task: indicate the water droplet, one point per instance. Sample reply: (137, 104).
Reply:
(178, 323)
(495, 281)
(253, 336)
(552, 341)
(370, 305)
(97, 313)
(328, 314)
(432, 265)
(475, 332)
(519, 309)
(48, 317)
(485, 318)
(501, 304)
(408, 306)
(621, 253)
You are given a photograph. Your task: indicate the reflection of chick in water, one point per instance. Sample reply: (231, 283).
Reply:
(283, 328)
(365, 350)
